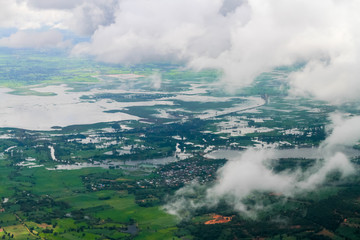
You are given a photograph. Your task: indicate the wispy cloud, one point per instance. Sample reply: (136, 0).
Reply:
(243, 38)
(35, 39)
(253, 172)
(18, 14)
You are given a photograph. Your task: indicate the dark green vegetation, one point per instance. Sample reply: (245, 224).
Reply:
(331, 212)
(109, 180)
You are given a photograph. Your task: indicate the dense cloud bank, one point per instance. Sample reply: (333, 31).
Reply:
(252, 172)
(241, 37)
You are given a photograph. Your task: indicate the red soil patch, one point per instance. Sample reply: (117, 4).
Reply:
(219, 219)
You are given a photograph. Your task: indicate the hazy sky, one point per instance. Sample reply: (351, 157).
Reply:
(241, 37)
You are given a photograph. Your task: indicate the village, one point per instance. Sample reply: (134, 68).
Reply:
(183, 172)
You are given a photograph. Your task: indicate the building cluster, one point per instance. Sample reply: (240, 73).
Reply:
(183, 172)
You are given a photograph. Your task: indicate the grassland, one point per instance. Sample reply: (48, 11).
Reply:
(70, 211)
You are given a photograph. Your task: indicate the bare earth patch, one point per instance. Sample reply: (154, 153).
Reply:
(218, 219)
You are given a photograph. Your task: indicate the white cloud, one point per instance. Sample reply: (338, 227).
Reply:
(90, 15)
(152, 31)
(344, 132)
(17, 14)
(156, 80)
(35, 39)
(229, 6)
(253, 172)
(54, 4)
(82, 17)
(243, 38)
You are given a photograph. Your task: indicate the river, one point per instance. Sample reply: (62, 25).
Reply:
(310, 153)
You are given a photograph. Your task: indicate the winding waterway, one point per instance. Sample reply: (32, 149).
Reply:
(310, 153)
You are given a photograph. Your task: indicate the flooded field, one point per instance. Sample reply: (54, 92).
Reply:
(309, 153)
